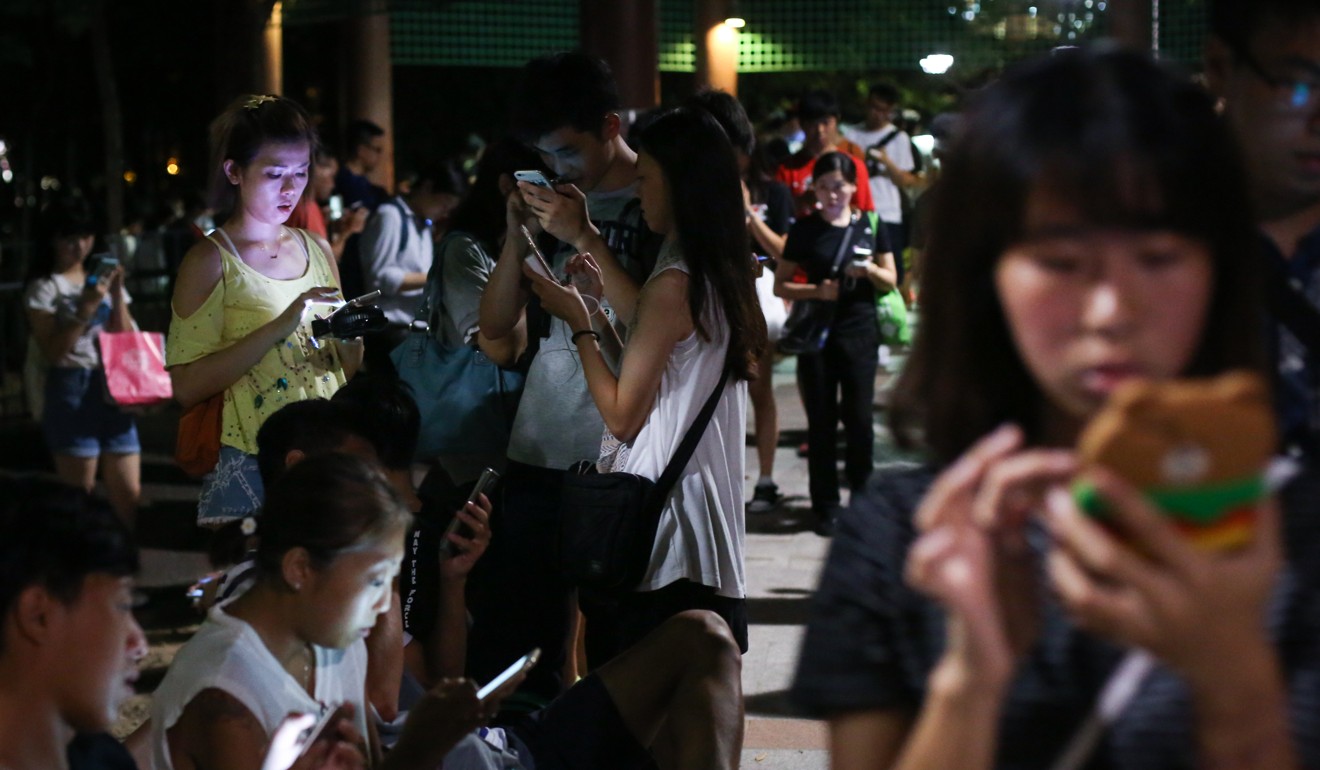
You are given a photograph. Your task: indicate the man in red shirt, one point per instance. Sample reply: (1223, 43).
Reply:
(818, 114)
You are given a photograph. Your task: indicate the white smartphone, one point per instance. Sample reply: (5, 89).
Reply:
(520, 665)
(536, 259)
(311, 734)
(336, 207)
(483, 485)
(533, 177)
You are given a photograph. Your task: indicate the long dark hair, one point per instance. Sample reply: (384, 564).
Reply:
(481, 213)
(705, 194)
(1124, 141)
(238, 133)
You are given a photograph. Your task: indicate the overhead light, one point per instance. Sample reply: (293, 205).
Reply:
(936, 63)
(735, 19)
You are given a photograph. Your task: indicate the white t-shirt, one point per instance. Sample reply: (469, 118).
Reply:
(227, 654)
(701, 531)
(887, 196)
(385, 264)
(54, 294)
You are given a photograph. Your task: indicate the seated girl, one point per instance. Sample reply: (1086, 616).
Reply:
(331, 542)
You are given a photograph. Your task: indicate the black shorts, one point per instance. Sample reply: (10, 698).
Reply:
(579, 730)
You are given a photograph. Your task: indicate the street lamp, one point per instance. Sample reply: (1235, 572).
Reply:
(936, 63)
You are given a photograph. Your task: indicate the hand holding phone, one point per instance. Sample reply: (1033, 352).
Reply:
(533, 177)
(456, 526)
(536, 259)
(99, 268)
(519, 666)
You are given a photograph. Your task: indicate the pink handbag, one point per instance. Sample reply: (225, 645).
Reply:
(135, 368)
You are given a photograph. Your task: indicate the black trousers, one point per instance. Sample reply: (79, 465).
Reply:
(838, 383)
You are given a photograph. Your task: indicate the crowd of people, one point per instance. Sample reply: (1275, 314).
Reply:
(1098, 219)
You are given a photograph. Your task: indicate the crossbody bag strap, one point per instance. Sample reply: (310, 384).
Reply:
(844, 244)
(689, 444)
(435, 285)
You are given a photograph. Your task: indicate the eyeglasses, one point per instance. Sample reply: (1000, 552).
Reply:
(1293, 93)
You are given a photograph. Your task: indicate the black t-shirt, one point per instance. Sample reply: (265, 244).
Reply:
(814, 244)
(872, 641)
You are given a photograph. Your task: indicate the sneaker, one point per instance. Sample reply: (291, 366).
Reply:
(764, 498)
(825, 518)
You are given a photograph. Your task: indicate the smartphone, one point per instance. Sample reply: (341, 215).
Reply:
(534, 177)
(313, 733)
(861, 262)
(365, 299)
(519, 666)
(336, 207)
(483, 486)
(536, 259)
(99, 267)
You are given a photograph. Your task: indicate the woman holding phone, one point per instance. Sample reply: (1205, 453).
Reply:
(69, 301)
(969, 615)
(848, 263)
(330, 542)
(696, 318)
(241, 325)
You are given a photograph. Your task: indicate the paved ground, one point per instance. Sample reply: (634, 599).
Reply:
(783, 554)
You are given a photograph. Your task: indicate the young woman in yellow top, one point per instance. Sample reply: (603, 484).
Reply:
(241, 324)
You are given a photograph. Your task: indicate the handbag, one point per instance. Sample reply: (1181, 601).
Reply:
(197, 444)
(134, 364)
(466, 401)
(608, 521)
(809, 320)
(891, 315)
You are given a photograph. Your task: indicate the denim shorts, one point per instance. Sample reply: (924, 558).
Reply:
(79, 421)
(232, 491)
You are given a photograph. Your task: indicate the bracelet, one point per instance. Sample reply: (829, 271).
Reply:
(592, 332)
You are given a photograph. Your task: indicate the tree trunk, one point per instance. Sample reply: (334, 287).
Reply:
(111, 118)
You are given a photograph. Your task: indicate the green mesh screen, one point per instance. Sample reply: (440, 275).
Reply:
(780, 36)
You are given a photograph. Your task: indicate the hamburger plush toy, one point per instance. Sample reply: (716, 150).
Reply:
(1197, 448)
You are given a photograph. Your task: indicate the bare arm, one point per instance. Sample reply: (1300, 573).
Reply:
(216, 732)
(786, 288)
(880, 271)
(867, 740)
(663, 320)
(563, 213)
(198, 380)
(505, 297)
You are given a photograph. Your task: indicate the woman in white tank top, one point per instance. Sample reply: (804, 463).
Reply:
(694, 318)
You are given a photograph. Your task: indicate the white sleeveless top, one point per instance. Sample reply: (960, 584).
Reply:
(226, 654)
(702, 529)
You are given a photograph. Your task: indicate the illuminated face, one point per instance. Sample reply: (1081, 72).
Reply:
(578, 157)
(270, 186)
(1089, 308)
(98, 644)
(1272, 99)
(834, 194)
(343, 600)
(653, 191)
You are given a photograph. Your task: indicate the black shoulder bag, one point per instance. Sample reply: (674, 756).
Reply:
(608, 521)
(809, 321)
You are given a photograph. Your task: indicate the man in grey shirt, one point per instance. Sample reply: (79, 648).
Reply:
(566, 107)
